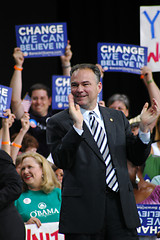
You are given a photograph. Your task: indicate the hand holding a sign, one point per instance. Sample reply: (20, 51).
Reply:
(34, 220)
(6, 124)
(152, 88)
(9, 120)
(149, 116)
(66, 58)
(101, 70)
(75, 113)
(25, 122)
(146, 75)
(16, 145)
(18, 57)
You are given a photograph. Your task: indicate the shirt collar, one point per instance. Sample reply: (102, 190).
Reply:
(85, 112)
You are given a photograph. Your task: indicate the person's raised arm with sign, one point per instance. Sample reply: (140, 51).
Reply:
(150, 84)
(65, 60)
(16, 144)
(16, 84)
(6, 124)
(16, 80)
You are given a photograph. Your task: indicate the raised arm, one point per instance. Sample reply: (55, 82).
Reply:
(153, 90)
(149, 116)
(16, 84)
(65, 60)
(6, 124)
(16, 145)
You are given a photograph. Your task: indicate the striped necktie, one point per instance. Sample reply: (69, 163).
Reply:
(101, 140)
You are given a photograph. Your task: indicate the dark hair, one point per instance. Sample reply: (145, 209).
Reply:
(134, 125)
(28, 141)
(118, 97)
(39, 86)
(90, 66)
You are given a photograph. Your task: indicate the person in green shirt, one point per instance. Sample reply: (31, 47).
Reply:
(40, 201)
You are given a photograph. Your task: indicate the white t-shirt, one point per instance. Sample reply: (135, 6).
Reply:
(156, 150)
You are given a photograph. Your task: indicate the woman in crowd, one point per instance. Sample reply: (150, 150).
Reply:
(41, 200)
(144, 192)
(59, 173)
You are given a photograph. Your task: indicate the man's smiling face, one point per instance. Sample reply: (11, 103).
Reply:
(85, 88)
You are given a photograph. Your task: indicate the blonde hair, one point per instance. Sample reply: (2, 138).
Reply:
(49, 180)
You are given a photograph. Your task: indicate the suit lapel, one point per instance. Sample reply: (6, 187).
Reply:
(110, 130)
(88, 138)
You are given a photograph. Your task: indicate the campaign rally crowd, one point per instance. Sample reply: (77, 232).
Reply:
(39, 145)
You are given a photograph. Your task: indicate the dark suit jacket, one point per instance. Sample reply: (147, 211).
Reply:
(83, 193)
(11, 223)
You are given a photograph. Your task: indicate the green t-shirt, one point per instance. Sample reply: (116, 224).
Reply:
(45, 207)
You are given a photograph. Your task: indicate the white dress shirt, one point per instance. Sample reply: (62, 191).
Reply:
(145, 137)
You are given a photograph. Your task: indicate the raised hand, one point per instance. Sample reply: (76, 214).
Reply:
(66, 58)
(34, 220)
(25, 122)
(75, 113)
(18, 57)
(10, 118)
(149, 116)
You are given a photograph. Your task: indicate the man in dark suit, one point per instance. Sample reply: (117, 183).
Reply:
(11, 223)
(92, 145)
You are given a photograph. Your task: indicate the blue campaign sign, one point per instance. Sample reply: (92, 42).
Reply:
(5, 99)
(60, 91)
(42, 40)
(115, 57)
(149, 215)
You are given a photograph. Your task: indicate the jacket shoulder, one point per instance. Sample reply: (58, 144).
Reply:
(60, 116)
(4, 157)
(62, 119)
(112, 112)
